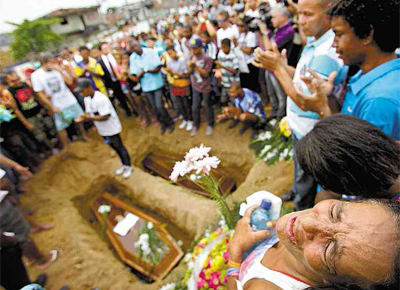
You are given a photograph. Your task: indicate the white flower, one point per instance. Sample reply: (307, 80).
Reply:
(143, 238)
(265, 136)
(222, 223)
(188, 257)
(180, 243)
(104, 208)
(150, 225)
(285, 152)
(207, 233)
(193, 177)
(281, 157)
(197, 153)
(272, 122)
(146, 251)
(291, 153)
(206, 165)
(265, 149)
(169, 286)
(190, 265)
(270, 155)
(180, 169)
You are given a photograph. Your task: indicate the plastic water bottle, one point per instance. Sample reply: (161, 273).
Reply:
(260, 216)
(258, 219)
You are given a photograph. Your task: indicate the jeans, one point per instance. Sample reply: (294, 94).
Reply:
(276, 95)
(156, 102)
(183, 107)
(115, 143)
(12, 269)
(304, 186)
(197, 97)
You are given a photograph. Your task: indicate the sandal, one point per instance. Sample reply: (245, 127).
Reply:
(54, 255)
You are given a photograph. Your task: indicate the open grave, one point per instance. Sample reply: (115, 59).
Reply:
(123, 245)
(161, 163)
(63, 191)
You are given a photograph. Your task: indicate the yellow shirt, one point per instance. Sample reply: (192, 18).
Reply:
(94, 68)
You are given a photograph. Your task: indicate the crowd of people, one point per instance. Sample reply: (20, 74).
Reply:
(329, 66)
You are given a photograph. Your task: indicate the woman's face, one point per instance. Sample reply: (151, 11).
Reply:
(341, 239)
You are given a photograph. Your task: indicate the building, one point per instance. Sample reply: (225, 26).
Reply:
(78, 25)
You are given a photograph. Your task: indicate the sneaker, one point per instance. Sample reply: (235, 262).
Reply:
(189, 126)
(194, 132)
(209, 130)
(120, 170)
(183, 125)
(127, 172)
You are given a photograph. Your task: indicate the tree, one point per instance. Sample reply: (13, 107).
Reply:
(32, 37)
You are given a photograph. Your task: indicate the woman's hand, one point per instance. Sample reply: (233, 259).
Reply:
(245, 237)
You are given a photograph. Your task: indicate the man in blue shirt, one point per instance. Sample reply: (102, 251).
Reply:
(145, 65)
(320, 56)
(248, 109)
(372, 94)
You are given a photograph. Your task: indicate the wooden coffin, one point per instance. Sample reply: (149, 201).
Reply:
(124, 245)
(162, 163)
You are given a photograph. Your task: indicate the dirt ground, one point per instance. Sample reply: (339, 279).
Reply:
(66, 183)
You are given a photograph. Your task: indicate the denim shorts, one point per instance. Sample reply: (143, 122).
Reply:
(66, 117)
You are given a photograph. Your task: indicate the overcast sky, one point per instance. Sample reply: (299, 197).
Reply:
(18, 10)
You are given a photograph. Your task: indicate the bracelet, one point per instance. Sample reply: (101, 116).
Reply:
(233, 264)
(232, 272)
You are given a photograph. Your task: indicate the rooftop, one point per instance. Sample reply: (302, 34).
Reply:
(70, 11)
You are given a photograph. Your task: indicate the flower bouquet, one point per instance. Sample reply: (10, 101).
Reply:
(198, 164)
(275, 145)
(149, 245)
(207, 264)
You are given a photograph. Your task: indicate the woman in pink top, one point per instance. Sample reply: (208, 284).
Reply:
(335, 243)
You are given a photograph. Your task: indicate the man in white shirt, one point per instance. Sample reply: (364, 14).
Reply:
(226, 29)
(50, 81)
(101, 112)
(319, 55)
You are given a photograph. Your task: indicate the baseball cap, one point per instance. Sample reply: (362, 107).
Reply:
(83, 83)
(195, 43)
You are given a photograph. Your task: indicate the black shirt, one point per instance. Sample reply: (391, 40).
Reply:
(25, 99)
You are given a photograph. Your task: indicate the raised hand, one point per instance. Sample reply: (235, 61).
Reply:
(321, 89)
(271, 60)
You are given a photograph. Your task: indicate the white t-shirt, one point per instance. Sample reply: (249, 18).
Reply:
(248, 40)
(230, 33)
(52, 83)
(100, 105)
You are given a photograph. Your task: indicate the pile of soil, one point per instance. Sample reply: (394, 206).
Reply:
(66, 183)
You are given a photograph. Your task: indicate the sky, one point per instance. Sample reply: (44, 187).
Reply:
(18, 10)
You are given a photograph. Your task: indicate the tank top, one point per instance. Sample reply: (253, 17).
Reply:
(252, 268)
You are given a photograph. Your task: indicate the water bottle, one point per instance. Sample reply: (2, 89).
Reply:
(258, 219)
(260, 216)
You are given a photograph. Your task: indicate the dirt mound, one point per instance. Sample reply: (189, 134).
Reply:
(66, 184)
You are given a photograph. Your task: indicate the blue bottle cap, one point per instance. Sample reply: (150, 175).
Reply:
(266, 204)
